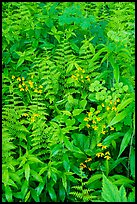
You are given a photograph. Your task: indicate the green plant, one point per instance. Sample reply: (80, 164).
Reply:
(68, 107)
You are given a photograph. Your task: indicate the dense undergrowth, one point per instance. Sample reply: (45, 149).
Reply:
(68, 110)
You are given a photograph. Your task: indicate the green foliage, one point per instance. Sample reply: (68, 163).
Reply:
(68, 107)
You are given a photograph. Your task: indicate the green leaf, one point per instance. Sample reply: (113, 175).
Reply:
(20, 61)
(34, 195)
(77, 111)
(122, 194)
(70, 122)
(24, 189)
(111, 137)
(36, 175)
(27, 196)
(118, 118)
(8, 194)
(66, 113)
(39, 188)
(70, 67)
(64, 181)
(125, 141)
(94, 178)
(123, 104)
(61, 192)
(83, 104)
(109, 191)
(115, 69)
(68, 144)
(97, 55)
(66, 162)
(5, 176)
(34, 159)
(56, 149)
(131, 197)
(27, 171)
(132, 162)
(115, 163)
(42, 170)
(52, 193)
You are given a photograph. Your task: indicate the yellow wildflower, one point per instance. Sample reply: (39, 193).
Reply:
(89, 159)
(25, 114)
(83, 71)
(89, 114)
(93, 121)
(23, 78)
(26, 89)
(40, 91)
(21, 89)
(111, 128)
(110, 102)
(88, 78)
(89, 169)
(104, 147)
(107, 157)
(104, 126)
(108, 108)
(99, 144)
(115, 103)
(35, 114)
(82, 81)
(107, 153)
(32, 119)
(31, 84)
(98, 111)
(88, 126)
(18, 79)
(20, 85)
(23, 84)
(102, 105)
(73, 77)
(98, 119)
(80, 69)
(103, 132)
(95, 127)
(118, 100)
(35, 90)
(82, 165)
(13, 77)
(100, 154)
(114, 108)
(81, 77)
(86, 119)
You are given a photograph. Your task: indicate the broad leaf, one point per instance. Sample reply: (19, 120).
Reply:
(77, 111)
(125, 141)
(8, 194)
(109, 191)
(118, 118)
(27, 171)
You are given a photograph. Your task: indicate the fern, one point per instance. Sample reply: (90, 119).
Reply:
(82, 193)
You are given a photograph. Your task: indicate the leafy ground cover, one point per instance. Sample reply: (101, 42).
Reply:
(68, 102)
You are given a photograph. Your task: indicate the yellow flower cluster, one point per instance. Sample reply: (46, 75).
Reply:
(79, 75)
(33, 117)
(101, 154)
(25, 114)
(82, 165)
(24, 86)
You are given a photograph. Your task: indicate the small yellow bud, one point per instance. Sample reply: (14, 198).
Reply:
(13, 77)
